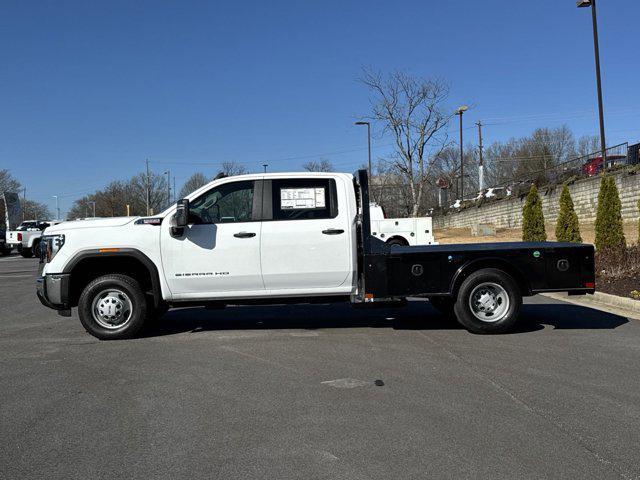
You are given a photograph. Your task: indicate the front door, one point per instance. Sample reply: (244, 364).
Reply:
(219, 251)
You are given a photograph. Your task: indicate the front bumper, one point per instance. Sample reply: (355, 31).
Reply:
(53, 290)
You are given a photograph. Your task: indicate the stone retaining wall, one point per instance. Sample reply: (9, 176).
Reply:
(507, 213)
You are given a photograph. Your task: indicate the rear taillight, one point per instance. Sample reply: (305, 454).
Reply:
(19, 237)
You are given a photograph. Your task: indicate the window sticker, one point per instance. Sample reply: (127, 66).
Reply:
(302, 198)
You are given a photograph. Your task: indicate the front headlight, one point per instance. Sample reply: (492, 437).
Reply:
(53, 244)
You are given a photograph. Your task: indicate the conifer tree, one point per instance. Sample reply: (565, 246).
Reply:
(533, 218)
(609, 230)
(567, 226)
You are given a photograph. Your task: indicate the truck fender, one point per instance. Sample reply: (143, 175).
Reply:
(490, 262)
(120, 253)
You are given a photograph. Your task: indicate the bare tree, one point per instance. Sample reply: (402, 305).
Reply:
(587, 144)
(446, 165)
(136, 192)
(113, 199)
(35, 210)
(532, 158)
(412, 111)
(194, 182)
(321, 165)
(232, 168)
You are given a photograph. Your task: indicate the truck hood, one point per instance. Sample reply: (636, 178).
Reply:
(97, 223)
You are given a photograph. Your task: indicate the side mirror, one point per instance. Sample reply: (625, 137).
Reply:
(182, 213)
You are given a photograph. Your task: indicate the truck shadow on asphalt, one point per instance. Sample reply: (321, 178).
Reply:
(413, 316)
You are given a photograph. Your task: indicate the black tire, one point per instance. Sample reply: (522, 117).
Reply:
(444, 305)
(26, 252)
(397, 242)
(485, 283)
(132, 293)
(156, 312)
(35, 249)
(4, 251)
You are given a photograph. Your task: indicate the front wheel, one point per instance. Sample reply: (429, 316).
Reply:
(112, 307)
(488, 301)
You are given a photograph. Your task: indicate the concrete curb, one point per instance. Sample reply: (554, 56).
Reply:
(602, 301)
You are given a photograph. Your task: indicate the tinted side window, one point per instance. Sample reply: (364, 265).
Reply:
(304, 199)
(228, 203)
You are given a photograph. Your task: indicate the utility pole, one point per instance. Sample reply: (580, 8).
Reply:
(265, 165)
(168, 173)
(174, 188)
(24, 201)
(94, 208)
(148, 187)
(460, 112)
(481, 166)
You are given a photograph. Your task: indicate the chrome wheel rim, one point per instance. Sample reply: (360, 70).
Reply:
(112, 308)
(489, 302)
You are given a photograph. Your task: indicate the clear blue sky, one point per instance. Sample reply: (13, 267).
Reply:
(88, 90)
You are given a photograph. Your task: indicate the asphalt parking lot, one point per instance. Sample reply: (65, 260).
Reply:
(290, 392)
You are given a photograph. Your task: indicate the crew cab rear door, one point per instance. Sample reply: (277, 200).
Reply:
(306, 236)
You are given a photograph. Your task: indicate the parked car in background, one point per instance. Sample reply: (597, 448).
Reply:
(26, 238)
(401, 231)
(5, 249)
(594, 166)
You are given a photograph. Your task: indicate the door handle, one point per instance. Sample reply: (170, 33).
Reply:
(333, 231)
(244, 234)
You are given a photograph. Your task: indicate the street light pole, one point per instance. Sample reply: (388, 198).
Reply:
(57, 208)
(460, 111)
(265, 165)
(368, 142)
(596, 47)
(94, 208)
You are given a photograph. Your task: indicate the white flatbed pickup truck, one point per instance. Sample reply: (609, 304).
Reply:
(26, 237)
(286, 238)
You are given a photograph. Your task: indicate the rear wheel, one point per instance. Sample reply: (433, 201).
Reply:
(112, 307)
(26, 252)
(488, 301)
(36, 249)
(4, 251)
